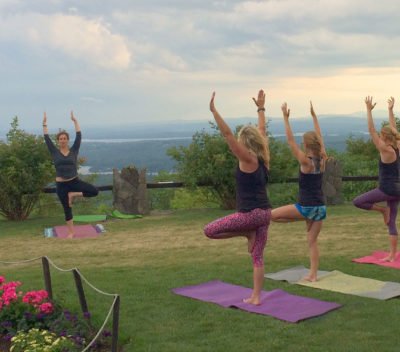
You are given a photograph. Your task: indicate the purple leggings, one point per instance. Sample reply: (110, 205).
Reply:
(257, 219)
(367, 200)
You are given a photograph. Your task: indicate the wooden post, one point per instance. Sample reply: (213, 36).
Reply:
(115, 327)
(81, 292)
(47, 277)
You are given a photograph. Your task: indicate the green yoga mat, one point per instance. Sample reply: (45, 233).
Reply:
(340, 282)
(117, 214)
(90, 218)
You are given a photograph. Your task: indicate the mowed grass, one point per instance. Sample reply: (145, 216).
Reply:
(143, 259)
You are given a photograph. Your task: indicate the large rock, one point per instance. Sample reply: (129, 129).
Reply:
(332, 182)
(130, 191)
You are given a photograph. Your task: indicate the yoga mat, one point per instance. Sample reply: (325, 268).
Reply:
(376, 257)
(90, 218)
(276, 303)
(339, 282)
(81, 231)
(117, 214)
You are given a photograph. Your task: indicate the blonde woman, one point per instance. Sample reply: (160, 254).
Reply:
(253, 208)
(388, 144)
(311, 206)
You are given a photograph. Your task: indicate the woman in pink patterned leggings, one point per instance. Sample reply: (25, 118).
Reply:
(254, 210)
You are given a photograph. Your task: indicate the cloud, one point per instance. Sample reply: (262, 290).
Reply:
(88, 40)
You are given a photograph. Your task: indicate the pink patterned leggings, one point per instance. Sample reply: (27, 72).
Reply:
(256, 219)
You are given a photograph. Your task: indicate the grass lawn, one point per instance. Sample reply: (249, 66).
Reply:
(144, 259)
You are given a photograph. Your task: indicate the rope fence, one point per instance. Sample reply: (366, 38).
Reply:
(78, 277)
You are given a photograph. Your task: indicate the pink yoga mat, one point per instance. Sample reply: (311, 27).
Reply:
(376, 258)
(276, 303)
(81, 231)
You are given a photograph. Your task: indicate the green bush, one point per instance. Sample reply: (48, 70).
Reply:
(26, 168)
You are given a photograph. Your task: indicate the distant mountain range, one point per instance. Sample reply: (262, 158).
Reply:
(145, 144)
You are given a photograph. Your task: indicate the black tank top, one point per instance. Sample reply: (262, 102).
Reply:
(251, 190)
(389, 176)
(310, 187)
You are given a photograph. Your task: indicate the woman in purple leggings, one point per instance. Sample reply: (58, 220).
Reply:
(310, 207)
(387, 143)
(253, 208)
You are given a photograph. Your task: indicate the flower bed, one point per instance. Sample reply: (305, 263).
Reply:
(31, 322)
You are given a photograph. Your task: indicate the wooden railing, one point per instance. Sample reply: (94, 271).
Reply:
(172, 184)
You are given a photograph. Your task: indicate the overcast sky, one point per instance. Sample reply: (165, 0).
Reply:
(129, 61)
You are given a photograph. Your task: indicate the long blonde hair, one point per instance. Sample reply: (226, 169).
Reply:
(253, 140)
(312, 142)
(390, 135)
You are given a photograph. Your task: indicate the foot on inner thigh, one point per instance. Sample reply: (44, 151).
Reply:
(386, 215)
(70, 199)
(251, 239)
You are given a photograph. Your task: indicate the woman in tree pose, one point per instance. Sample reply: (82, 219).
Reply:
(387, 143)
(65, 161)
(311, 206)
(253, 208)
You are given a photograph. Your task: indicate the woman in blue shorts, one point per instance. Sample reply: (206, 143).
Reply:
(311, 206)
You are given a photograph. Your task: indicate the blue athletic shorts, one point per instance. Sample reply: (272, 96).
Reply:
(315, 213)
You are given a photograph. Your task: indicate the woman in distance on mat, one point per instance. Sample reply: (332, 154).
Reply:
(388, 144)
(253, 208)
(65, 159)
(311, 206)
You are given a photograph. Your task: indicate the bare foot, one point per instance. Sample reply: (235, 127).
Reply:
(390, 258)
(310, 278)
(252, 300)
(70, 235)
(251, 239)
(386, 215)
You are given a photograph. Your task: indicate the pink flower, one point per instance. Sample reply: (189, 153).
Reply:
(2, 279)
(35, 298)
(9, 295)
(46, 308)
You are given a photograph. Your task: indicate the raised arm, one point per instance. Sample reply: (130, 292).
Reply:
(317, 129)
(45, 129)
(50, 145)
(297, 152)
(239, 150)
(78, 138)
(75, 121)
(379, 144)
(392, 120)
(260, 103)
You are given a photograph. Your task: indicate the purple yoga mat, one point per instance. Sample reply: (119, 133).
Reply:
(276, 303)
(81, 231)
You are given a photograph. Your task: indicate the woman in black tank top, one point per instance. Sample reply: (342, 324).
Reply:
(253, 209)
(310, 207)
(388, 144)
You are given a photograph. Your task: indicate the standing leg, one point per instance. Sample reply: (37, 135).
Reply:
(393, 234)
(314, 228)
(257, 254)
(62, 193)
